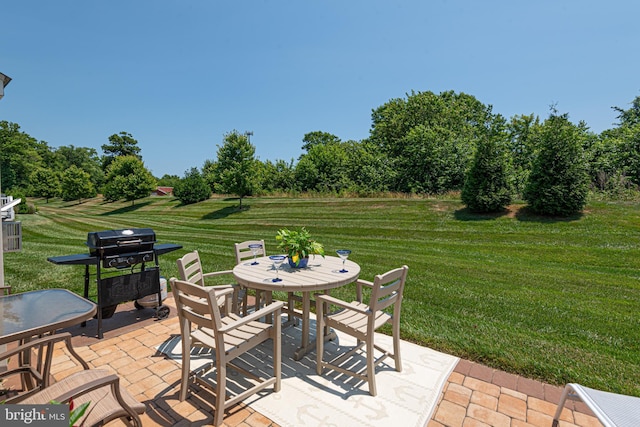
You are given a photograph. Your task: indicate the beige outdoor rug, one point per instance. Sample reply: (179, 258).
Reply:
(405, 398)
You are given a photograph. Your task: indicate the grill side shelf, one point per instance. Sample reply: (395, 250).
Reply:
(164, 248)
(76, 259)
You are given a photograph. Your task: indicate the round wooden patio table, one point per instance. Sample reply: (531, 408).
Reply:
(320, 275)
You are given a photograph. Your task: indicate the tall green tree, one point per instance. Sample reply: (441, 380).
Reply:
(84, 158)
(235, 170)
(18, 156)
(430, 138)
(76, 185)
(45, 183)
(626, 139)
(630, 116)
(367, 168)
(558, 184)
(323, 168)
(629, 153)
(276, 176)
(122, 144)
(128, 179)
(318, 138)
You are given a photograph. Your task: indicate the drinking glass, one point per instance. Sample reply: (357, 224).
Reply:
(277, 261)
(343, 254)
(255, 247)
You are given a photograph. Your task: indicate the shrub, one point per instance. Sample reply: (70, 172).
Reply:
(192, 188)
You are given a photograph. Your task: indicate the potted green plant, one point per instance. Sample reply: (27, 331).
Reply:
(298, 245)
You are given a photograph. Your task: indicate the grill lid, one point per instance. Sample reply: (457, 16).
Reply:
(129, 239)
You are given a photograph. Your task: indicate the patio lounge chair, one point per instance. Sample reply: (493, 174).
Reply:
(613, 410)
(107, 400)
(361, 321)
(228, 336)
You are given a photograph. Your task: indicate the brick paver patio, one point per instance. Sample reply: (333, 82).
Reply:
(474, 396)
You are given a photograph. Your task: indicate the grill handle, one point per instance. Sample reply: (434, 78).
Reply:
(129, 242)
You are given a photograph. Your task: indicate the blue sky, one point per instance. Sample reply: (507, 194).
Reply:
(179, 75)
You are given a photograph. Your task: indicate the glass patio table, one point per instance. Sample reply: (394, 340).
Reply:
(28, 314)
(320, 275)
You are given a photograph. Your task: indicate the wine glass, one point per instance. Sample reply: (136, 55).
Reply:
(343, 254)
(277, 261)
(255, 247)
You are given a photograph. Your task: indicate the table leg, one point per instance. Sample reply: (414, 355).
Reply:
(306, 344)
(268, 299)
(306, 309)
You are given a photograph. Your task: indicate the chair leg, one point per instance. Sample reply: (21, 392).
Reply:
(319, 337)
(291, 305)
(221, 391)
(186, 364)
(245, 299)
(396, 346)
(277, 354)
(234, 303)
(563, 398)
(371, 367)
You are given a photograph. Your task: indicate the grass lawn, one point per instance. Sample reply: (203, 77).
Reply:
(555, 300)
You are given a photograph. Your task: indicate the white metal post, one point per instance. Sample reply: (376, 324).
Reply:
(4, 80)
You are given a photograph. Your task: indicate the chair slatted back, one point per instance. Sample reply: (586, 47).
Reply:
(197, 305)
(244, 252)
(388, 289)
(190, 268)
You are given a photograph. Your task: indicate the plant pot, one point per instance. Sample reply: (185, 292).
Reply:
(302, 263)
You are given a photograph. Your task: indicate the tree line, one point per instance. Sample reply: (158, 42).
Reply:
(31, 168)
(424, 143)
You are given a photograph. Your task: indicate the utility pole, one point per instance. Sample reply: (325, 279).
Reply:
(248, 134)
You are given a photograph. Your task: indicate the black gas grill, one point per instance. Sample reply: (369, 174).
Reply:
(125, 256)
(122, 248)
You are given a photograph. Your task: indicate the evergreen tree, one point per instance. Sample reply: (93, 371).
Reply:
(558, 183)
(487, 187)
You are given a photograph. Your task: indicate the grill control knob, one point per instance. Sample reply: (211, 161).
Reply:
(113, 262)
(147, 258)
(131, 260)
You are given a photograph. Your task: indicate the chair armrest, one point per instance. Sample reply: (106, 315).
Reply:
(364, 282)
(359, 284)
(271, 308)
(216, 273)
(87, 387)
(109, 380)
(320, 299)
